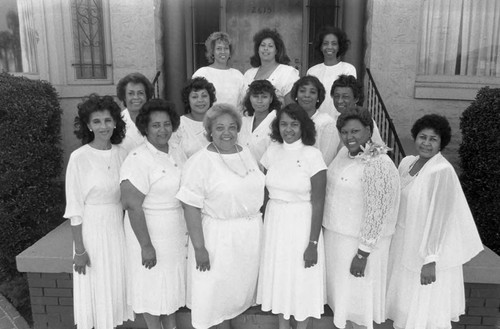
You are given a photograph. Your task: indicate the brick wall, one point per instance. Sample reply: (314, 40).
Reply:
(51, 300)
(52, 306)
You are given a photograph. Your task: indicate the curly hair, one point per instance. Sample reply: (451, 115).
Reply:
(197, 84)
(281, 56)
(136, 78)
(216, 111)
(436, 122)
(357, 113)
(309, 80)
(342, 39)
(156, 105)
(95, 103)
(259, 87)
(210, 44)
(349, 81)
(296, 112)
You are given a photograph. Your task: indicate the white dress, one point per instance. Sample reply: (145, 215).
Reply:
(229, 84)
(434, 225)
(232, 225)
(362, 198)
(190, 136)
(259, 139)
(285, 285)
(327, 75)
(133, 136)
(282, 78)
(161, 289)
(327, 136)
(93, 200)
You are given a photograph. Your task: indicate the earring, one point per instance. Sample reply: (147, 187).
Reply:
(90, 130)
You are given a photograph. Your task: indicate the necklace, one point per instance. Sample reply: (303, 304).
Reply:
(229, 167)
(352, 156)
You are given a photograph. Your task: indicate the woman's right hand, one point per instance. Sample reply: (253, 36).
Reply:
(81, 261)
(428, 274)
(148, 256)
(202, 259)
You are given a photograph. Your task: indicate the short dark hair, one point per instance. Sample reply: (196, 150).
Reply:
(344, 42)
(349, 81)
(357, 113)
(136, 78)
(156, 105)
(436, 122)
(210, 44)
(296, 112)
(216, 111)
(95, 103)
(196, 84)
(259, 87)
(281, 56)
(312, 80)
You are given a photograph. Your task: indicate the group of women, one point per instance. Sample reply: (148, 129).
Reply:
(290, 206)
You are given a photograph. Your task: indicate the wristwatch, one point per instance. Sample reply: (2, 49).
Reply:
(359, 256)
(314, 242)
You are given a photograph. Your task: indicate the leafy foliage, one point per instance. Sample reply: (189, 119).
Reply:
(480, 162)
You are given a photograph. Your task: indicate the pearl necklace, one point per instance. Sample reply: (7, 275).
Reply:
(229, 167)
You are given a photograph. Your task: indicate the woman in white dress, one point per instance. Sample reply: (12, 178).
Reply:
(435, 235)
(228, 82)
(96, 214)
(198, 96)
(361, 203)
(154, 224)
(331, 44)
(270, 62)
(134, 90)
(291, 277)
(309, 93)
(260, 104)
(222, 191)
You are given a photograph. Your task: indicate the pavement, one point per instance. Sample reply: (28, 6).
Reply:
(9, 317)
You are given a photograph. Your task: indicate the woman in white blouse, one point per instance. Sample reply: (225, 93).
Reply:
(93, 205)
(309, 93)
(228, 82)
(270, 62)
(154, 226)
(260, 104)
(198, 95)
(361, 203)
(222, 191)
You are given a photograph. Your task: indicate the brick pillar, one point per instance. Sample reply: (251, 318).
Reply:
(482, 307)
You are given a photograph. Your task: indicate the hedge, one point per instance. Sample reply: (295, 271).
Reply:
(480, 162)
(31, 198)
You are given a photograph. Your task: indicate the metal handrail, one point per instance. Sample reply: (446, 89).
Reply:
(156, 85)
(377, 108)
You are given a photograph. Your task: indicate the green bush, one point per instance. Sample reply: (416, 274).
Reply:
(31, 198)
(480, 162)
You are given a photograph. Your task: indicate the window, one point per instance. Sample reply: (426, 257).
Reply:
(18, 37)
(460, 44)
(88, 38)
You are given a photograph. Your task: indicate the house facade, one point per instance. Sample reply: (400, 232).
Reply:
(426, 56)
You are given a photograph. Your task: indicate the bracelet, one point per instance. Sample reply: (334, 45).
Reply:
(83, 253)
(313, 242)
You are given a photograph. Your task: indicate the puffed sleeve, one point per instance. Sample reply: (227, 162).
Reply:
(328, 141)
(381, 194)
(74, 193)
(265, 161)
(135, 170)
(288, 80)
(192, 190)
(315, 162)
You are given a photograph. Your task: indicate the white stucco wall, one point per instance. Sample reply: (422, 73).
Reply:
(392, 33)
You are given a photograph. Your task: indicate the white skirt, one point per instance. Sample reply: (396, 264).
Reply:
(357, 299)
(228, 288)
(161, 289)
(412, 305)
(285, 285)
(99, 296)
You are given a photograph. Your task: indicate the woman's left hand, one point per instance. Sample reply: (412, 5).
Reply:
(358, 266)
(311, 255)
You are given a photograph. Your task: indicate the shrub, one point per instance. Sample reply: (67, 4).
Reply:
(480, 161)
(31, 199)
